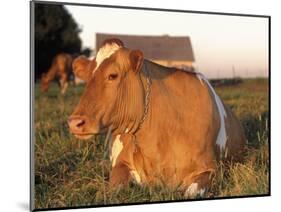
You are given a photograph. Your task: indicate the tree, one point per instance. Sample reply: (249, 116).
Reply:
(55, 32)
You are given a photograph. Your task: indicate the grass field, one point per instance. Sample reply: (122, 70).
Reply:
(71, 172)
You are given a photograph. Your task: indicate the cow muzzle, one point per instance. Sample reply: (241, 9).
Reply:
(78, 126)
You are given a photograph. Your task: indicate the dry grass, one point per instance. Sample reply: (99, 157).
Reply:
(70, 172)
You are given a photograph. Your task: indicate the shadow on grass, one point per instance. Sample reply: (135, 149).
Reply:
(62, 166)
(256, 129)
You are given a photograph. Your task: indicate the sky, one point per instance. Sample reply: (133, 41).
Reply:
(224, 46)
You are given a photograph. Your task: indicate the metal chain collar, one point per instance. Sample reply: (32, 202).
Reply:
(147, 97)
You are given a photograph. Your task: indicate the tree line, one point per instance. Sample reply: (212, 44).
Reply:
(55, 31)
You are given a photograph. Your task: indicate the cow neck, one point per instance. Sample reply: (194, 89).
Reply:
(146, 84)
(145, 81)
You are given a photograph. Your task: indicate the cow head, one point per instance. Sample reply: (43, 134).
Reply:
(114, 94)
(45, 83)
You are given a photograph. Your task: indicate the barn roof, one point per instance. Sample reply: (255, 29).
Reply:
(155, 47)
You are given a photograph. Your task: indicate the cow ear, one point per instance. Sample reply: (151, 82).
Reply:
(136, 58)
(81, 68)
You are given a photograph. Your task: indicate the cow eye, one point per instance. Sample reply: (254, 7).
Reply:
(112, 76)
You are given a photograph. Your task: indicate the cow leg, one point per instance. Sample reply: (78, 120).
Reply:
(199, 185)
(63, 84)
(64, 87)
(198, 181)
(120, 175)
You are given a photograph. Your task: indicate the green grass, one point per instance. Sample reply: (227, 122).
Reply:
(71, 172)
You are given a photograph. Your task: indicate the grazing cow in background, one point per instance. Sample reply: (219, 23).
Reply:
(168, 125)
(61, 70)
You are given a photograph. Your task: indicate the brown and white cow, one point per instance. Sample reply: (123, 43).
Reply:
(168, 125)
(60, 69)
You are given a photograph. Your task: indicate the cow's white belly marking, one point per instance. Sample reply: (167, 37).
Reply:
(117, 147)
(222, 137)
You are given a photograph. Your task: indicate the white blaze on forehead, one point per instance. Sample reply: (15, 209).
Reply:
(105, 52)
(117, 147)
(222, 137)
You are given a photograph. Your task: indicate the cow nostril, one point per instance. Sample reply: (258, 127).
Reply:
(76, 122)
(80, 123)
